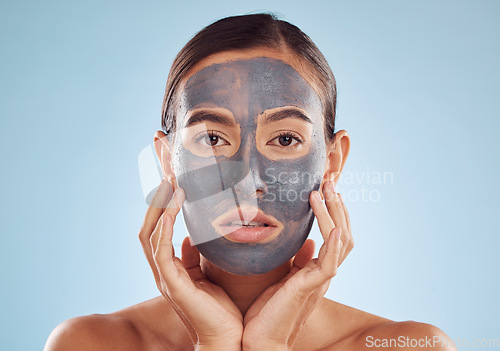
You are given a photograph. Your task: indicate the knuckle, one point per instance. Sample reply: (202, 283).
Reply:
(329, 274)
(144, 241)
(142, 234)
(338, 204)
(329, 196)
(338, 250)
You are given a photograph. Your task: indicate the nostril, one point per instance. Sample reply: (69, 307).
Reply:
(247, 193)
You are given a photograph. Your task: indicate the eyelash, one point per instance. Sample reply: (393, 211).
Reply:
(213, 133)
(291, 135)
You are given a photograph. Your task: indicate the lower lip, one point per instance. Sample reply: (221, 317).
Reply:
(246, 234)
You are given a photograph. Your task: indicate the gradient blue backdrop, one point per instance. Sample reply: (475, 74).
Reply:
(81, 91)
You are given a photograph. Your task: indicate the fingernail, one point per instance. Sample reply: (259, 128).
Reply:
(179, 196)
(331, 186)
(163, 182)
(317, 196)
(171, 179)
(337, 235)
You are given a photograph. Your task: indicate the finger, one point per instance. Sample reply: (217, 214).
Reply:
(348, 220)
(175, 204)
(156, 236)
(347, 238)
(171, 271)
(171, 209)
(150, 248)
(162, 195)
(337, 211)
(335, 206)
(328, 262)
(323, 249)
(294, 300)
(160, 200)
(301, 258)
(325, 221)
(163, 254)
(191, 259)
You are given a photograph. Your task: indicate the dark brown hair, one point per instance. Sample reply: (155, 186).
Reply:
(245, 32)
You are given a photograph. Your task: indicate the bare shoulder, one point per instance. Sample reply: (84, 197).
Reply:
(362, 330)
(94, 332)
(407, 335)
(150, 325)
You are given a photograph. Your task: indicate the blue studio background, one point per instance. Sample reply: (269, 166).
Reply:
(81, 91)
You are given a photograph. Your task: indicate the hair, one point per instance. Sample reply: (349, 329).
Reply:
(247, 32)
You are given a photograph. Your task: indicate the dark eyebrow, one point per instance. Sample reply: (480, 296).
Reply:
(286, 113)
(200, 116)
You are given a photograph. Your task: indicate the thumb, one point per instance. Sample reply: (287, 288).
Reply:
(190, 254)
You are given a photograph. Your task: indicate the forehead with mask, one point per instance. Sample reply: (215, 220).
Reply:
(248, 150)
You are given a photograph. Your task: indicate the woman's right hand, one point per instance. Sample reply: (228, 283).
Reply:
(209, 314)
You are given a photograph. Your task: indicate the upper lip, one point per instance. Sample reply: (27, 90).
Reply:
(245, 215)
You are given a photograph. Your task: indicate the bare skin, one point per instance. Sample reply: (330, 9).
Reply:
(323, 325)
(153, 325)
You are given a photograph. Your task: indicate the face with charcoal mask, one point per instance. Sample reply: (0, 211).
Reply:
(248, 150)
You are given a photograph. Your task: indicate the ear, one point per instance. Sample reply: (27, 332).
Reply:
(162, 148)
(337, 153)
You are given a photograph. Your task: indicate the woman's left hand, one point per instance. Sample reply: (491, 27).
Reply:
(275, 319)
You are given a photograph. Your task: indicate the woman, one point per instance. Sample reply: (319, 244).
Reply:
(248, 150)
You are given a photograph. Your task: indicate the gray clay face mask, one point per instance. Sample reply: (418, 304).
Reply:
(237, 151)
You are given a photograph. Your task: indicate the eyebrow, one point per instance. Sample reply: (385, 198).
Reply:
(201, 116)
(286, 113)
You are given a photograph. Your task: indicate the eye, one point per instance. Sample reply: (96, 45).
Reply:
(286, 140)
(210, 138)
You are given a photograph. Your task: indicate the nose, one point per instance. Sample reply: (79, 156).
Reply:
(252, 186)
(255, 169)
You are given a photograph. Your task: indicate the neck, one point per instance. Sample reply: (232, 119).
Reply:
(243, 289)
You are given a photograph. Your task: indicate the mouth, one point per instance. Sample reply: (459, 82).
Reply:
(247, 225)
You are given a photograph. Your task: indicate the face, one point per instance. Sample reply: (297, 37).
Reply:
(248, 151)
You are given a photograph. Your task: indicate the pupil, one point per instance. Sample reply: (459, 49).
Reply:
(212, 140)
(285, 140)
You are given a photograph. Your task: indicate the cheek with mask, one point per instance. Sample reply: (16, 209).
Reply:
(247, 208)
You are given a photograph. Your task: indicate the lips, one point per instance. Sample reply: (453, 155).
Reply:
(247, 224)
